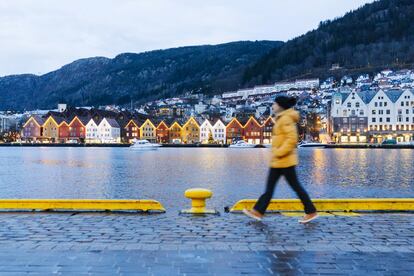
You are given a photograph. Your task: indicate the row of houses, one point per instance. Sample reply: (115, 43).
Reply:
(56, 129)
(372, 116)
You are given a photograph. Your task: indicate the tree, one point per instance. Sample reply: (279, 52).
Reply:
(210, 137)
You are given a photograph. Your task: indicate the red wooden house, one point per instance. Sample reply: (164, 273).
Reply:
(253, 131)
(132, 130)
(163, 133)
(77, 130)
(63, 131)
(234, 131)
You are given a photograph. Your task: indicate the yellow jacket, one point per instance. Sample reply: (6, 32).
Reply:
(285, 139)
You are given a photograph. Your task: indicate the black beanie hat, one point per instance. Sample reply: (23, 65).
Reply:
(285, 102)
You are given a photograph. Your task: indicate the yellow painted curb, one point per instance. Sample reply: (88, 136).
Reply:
(82, 204)
(335, 204)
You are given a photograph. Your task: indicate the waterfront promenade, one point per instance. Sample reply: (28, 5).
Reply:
(229, 244)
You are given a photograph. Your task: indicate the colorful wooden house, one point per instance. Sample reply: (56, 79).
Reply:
(51, 128)
(234, 131)
(32, 130)
(163, 133)
(267, 127)
(219, 131)
(175, 133)
(63, 131)
(132, 131)
(206, 132)
(191, 131)
(92, 135)
(253, 131)
(109, 131)
(77, 130)
(148, 131)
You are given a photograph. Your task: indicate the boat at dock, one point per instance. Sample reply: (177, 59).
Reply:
(311, 145)
(144, 145)
(241, 144)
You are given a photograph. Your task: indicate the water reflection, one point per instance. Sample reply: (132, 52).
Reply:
(166, 173)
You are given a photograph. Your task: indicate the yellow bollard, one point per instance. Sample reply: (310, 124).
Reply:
(198, 198)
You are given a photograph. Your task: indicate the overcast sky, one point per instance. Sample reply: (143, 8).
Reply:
(38, 36)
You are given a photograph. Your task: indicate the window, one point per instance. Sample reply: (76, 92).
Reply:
(385, 103)
(376, 104)
(407, 111)
(402, 103)
(348, 104)
(374, 112)
(374, 120)
(357, 104)
(388, 120)
(388, 111)
(380, 104)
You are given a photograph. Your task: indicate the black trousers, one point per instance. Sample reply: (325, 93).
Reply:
(292, 179)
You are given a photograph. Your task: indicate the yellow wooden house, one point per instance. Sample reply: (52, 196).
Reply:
(175, 133)
(148, 131)
(191, 131)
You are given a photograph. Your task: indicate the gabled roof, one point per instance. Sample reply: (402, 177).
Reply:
(367, 95)
(268, 119)
(252, 119)
(52, 118)
(149, 121)
(175, 123)
(162, 122)
(93, 120)
(73, 119)
(132, 121)
(234, 120)
(345, 96)
(191, 119)
(37, 119)
(112, 122)
(206, 120)
(393, 95)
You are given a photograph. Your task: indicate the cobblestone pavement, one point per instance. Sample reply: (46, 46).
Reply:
(167, 244)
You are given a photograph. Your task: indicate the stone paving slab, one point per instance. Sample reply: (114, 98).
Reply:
(100, 231)
(136, 262)
(170, 244)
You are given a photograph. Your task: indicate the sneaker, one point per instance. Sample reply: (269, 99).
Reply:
(253, 214)
(308, 217)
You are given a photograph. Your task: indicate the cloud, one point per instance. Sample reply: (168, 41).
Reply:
(43, 35)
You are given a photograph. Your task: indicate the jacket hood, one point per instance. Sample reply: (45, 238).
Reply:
(291, 113)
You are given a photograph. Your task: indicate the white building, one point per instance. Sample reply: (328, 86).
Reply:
(219, 131)
(91, 135)
(109, 131)
(205, 130)
(372, 116)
